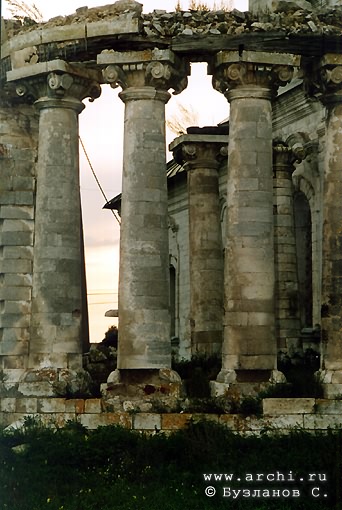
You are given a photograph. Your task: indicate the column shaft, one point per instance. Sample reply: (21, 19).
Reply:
(144, 315)
(201, 154)
(206, 260)
(286, 299)
(57, 272)
(249, 338)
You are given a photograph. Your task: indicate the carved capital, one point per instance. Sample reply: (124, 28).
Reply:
(245, 75)
(201, 153)
(283, 159)
(286, 154)
(45, 88)
(139, 70)
(324, 79)
(115, 76)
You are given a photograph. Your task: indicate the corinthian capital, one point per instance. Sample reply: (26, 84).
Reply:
(252, 69)
(160, 69)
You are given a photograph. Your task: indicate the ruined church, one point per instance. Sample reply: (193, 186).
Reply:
(232, 248)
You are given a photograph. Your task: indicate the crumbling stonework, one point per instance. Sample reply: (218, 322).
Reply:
(266, 63)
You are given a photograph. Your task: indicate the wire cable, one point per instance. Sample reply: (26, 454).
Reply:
(116, 216)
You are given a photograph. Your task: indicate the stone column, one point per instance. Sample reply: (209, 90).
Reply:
(55, 351)
(286, 295)
(249, 81)
(144, 308)
(201, 155)
(329, 74)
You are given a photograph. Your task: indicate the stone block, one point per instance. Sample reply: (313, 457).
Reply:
(120, 25)
(199, 417)
(14, 375)
(16, 212)
(22, 183)
(322, 421)
(285, 421)
(93, 421)
(15, 320)
(13, 420)
(17, 280)
(282, 406)
(147, 421)
(74, 405)
(17, 225)
(51, 405)
(18, 252)
(6, 183)
(233, 422)
(93, 406)
(14, 362)
(175, 421)
(17, 198)
(16, 307)
(328, 406)
(218, 389)
(14, 335)
(248, 184)
(7, 405)
(63, 33)
(38, 389)
(27, 405)
(332, 390)
(16, 266)
(14, 347)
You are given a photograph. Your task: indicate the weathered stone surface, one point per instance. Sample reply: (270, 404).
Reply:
(201, 156)
(281, 406)
(144, 285)
(93, 406)
(146, 421)
(51, 405)
(249, 262)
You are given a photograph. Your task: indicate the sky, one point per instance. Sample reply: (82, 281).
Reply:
(101, 130)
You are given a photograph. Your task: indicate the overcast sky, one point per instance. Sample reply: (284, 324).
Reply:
(101, 129)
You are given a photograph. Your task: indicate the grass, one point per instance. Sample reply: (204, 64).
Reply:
(114, 469)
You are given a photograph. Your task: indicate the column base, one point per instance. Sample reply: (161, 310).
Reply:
(54, 382)
(242, 383)
(142, 390)
(331, 381)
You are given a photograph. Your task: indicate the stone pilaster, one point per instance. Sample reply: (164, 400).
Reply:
(286, 295)
(202, 154)
(55, 351)
(329, 81)
(250, 81)
(144, 314)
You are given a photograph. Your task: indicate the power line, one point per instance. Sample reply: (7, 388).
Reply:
(97, 181)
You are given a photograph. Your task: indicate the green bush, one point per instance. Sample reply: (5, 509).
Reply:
(111, 468)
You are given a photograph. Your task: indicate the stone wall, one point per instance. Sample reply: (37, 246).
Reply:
(279, 415)
(18, 152)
